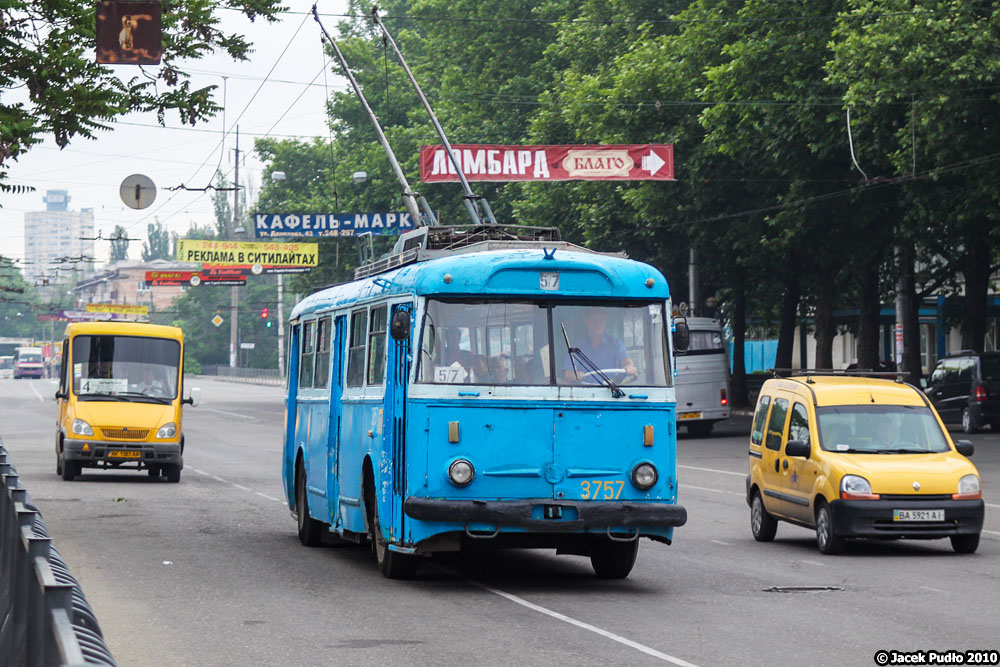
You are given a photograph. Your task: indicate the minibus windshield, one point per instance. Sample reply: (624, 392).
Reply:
(125, 368)
(30, 357)
(531, 343)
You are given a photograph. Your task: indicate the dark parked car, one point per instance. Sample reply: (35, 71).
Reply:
(965, 387)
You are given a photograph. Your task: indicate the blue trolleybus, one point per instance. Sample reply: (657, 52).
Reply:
(485, 387)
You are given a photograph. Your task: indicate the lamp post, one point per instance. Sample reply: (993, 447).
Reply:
(277, 177)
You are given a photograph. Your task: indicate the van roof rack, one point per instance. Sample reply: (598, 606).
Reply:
(808, 373)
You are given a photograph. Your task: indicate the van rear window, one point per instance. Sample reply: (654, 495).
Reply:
(991, 367)
(706, 342)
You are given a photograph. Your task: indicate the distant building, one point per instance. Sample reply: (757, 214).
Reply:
(54, 240)
(124, 283)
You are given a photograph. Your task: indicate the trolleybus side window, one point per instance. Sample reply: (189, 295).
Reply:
(322, 352)
(376, 346)
(356, 354)
(307, 345)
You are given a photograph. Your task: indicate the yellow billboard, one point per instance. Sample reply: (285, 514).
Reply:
(117, 309)
(248, 253)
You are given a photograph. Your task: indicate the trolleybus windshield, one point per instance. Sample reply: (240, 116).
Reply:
(525, 342)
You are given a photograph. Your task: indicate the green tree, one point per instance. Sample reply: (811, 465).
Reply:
(921, 79)
(158, 244)
(223, 205)
(119, 244)
(48, 51)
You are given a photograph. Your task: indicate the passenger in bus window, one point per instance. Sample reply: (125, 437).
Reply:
(453, 351)
(499, 369)
(604, 350)
(480, 370)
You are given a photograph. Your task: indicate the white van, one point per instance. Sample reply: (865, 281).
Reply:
(7, 367)
(702, 380)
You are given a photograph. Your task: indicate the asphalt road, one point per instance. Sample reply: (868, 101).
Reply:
(210, 572)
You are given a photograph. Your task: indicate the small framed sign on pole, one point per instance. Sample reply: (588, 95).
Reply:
(128, 33)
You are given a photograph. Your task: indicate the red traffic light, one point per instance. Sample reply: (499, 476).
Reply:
(263, 313)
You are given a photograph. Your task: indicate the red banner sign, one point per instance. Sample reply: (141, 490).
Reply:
(484, 162)
(210, 276)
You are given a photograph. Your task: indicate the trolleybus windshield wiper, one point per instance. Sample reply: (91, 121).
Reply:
(616, 391)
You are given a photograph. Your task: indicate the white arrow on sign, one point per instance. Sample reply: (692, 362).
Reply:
(652, 163)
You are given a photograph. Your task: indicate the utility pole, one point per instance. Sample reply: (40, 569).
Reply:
(235, 290)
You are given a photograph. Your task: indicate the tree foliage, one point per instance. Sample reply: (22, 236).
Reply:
(794, 212)
(47, 47)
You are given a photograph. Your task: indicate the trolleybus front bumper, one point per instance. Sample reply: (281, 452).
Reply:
(548, 515)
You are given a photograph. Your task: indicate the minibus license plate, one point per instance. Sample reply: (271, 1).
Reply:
(124, 454)
(690, 415)
(918, 515)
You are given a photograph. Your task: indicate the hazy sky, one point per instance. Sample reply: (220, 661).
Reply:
(92, 170)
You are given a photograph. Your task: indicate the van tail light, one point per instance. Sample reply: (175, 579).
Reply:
(724, 400)
(980, 394)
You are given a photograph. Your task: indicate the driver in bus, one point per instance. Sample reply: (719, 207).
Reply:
(605, 351)
(152, 384)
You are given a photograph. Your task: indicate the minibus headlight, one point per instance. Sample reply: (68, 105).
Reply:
(644, 476)
(461, 472)
(81, 427)
(167, 431)
(968, 488)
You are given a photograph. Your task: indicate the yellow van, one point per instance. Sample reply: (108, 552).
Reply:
(120, 397)
(853, 456)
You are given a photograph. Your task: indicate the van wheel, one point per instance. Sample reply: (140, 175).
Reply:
(762, 524)
(614, 560)
(827, 539)
(153, 471)
(310, 530)
(700, 429)
(172, 471)
(968, 422)
(965, 544)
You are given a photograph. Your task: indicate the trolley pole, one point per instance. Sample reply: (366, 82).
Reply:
(234, 336)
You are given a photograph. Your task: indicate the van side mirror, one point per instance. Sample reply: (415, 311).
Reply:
(682, 335)
(923, 383)
(194, 399)
(964, 447)
(797, 448)
(399, 328)
(56, 394)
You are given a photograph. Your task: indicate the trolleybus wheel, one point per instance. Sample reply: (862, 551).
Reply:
(310, 530)
(392, 564)
(612, 559)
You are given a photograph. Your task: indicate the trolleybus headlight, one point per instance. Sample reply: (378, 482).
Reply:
(644, 476)
(167, 431)
(81, 427)
(461, 472)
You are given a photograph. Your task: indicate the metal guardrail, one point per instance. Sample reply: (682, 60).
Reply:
(45, 618)
(269, 376)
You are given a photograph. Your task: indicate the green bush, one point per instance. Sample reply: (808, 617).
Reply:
(192, 366)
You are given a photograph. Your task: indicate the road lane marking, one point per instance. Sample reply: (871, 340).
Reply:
(238, 486)
(32, 385)
(218, 479)
(930, 588)
(705, 488)
(991, 505)
(241, 487)
(813, 562)
(723, 472)
(991, 532)
(231, 414)
(264, 495)
(725, 544)
(200, 472)
(568, 619)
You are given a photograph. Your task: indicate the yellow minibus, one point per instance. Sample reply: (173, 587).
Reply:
(120, 395)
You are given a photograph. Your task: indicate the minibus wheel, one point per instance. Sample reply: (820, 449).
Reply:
(154, 471)
(612, 559)
(172, 472)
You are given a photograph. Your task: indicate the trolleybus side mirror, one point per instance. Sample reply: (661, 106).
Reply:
(400, 326)
(682, 335)
(195, 397)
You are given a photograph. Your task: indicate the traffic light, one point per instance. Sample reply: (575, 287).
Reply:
(263, 313)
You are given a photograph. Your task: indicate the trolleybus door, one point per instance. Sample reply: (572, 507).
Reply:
(333, 445)
(394, 424)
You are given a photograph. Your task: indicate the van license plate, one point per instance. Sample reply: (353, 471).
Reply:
(124, 454)
(690, 415)
(918, 515)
